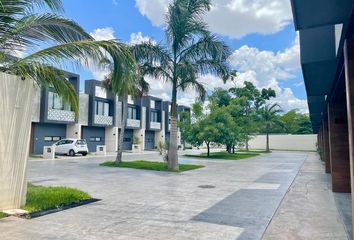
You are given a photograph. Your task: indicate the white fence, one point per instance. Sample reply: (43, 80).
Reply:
(285, 142)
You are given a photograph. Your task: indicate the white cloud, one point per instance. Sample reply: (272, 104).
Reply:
(137, 38)
(100, 34)
(233, 18)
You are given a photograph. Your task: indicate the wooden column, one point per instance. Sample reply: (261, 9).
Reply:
(325, 137)
(349, 85)
(320, 142)
(339, 146)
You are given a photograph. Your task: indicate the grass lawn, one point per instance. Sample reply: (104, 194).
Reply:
(154, 166)
(225, 155)
(41, 198)
(2, 215)
(253, 151)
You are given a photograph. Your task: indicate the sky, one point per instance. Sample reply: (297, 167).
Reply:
(265, 47)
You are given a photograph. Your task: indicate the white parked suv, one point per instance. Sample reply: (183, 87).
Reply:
(71, 147)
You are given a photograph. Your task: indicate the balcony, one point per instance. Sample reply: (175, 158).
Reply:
(104, 120)
(61, 115)
(155, 125)
(133, 123)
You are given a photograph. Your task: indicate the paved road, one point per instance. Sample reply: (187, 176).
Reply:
(149, 205)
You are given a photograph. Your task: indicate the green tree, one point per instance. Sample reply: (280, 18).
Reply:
(197, 109)
(134, 86)
(191, 51)
(23, 29)
(216, 127)
(268, 116)
(184, 124)
(251, 100)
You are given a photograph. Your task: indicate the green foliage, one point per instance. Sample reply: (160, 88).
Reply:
(41, 198)
(154, 166)
(190, 51)
(23, 27)
(136, 140)
(225, 155)
(217, 127)
(197, 109)
(293, 122)
(2, 215)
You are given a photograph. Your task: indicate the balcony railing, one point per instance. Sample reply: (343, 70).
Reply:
(135, 123)
(104, 120)
(61, 115)
(155, 125)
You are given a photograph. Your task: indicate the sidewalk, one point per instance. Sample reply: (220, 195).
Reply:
(308, 210)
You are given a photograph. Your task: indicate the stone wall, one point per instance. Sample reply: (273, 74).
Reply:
(285, 142)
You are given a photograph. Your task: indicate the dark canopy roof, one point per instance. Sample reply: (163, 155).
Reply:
(322, 26)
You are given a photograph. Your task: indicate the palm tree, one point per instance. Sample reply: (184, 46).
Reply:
(135, 86)
(61, 41)
(268, 117)
(191, 51)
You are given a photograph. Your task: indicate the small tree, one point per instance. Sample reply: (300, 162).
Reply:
(217, 127)
(268, 116)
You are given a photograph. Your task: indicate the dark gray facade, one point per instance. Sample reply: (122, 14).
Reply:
(128, 139)
(149, 140)
(63, 116)
(97, 119)
(46, 134)
(153, 113)
(94, 137)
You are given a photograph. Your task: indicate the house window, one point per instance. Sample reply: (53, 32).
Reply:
(95, 139)
(55, 101)
(154, 117)
(152, 104)
(51, 138)
(132, 113)
(102, 108)
(127, 139)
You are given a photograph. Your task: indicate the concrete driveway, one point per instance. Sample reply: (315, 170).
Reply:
(138, 204)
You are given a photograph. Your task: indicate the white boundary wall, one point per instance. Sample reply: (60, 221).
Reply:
(15, 127)
(285, 142)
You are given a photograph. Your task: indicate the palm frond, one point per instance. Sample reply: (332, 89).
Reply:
(81, 52)
(34, 28)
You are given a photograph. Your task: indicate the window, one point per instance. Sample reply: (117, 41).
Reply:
(154, 116)
(51, 139)
(127, 139)
(132, 113)
(55, 101)
(95, 139)
(152, 104)
(81, 142)
(102, 108)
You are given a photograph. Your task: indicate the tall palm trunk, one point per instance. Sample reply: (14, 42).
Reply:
(267, 139)
(172, 152)
(122, 129)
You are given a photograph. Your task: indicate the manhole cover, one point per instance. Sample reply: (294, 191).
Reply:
(206, 186)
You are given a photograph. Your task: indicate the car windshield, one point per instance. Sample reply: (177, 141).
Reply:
(81, 142)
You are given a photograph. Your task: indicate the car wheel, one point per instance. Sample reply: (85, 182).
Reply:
(84, 154)
(71, 153)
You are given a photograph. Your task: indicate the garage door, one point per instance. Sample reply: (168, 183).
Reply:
(149, 140)
(94, 136)
(128, 139)
(46, 134)
(167, 137)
